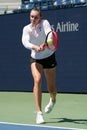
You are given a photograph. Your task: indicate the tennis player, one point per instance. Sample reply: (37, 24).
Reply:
(42, 60)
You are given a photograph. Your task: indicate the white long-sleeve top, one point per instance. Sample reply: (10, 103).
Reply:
(36, 36)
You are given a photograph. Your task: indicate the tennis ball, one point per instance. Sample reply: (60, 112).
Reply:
(49, 41)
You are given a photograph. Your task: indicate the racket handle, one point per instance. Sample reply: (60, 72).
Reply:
(44, 46)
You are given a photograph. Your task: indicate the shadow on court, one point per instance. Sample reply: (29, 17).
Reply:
(67, 120)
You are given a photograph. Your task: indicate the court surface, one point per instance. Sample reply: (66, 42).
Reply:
(18, 112)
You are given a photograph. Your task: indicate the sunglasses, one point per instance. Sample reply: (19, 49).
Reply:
(35, 17)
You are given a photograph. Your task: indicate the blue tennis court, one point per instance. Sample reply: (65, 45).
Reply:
(16, 126)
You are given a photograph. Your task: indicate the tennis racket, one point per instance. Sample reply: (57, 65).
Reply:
(51, 41)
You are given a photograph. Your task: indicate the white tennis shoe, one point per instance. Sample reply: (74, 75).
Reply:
(39, 118)
(49, 106)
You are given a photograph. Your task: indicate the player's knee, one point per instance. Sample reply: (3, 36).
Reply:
(37, 80)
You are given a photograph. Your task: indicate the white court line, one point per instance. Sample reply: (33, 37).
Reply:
(19, 124)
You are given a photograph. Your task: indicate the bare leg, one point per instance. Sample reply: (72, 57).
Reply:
(37, 76)
(50, 75)
(51, 79)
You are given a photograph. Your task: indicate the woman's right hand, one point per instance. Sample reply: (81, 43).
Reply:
(37, 48)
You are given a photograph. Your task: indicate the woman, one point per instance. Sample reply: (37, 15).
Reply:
(33, 38)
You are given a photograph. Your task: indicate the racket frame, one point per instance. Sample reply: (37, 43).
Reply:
(46, 45)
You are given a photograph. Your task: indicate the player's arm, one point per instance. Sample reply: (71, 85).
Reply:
(27, 44)
(25, 39)
(46, 26)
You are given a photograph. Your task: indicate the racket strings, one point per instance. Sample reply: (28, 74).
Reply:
(54, 43)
